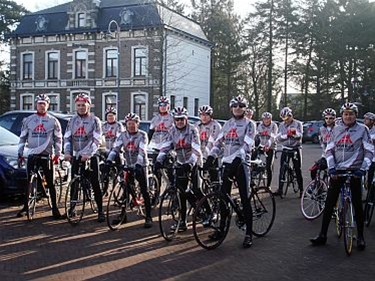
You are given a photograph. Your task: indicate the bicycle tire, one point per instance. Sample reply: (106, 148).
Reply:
(284, 178)
(169, 214)
(116, 207)
(264, 211)
(154, 190)
(58, 188)
(210, 227)
(369, 206)
(313, 199)
(347, 217)
(338, 217)
(75, 201)
(32, 195)
(292, 179)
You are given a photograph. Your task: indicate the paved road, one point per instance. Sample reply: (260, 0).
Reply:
(53, 250)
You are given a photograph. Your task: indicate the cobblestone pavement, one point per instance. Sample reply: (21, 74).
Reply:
(53, 250)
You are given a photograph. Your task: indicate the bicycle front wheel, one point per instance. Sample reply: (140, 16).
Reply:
(211, 220)
(32, 195)
(264, 211)
(348, 226)
(58, 187)
(169, 214)
(313, 199)
(154, 190)
(116, 207)
(75, 201)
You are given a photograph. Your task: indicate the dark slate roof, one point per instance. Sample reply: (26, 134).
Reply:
(146, 14)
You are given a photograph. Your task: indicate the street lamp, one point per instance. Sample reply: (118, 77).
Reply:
(113, 34)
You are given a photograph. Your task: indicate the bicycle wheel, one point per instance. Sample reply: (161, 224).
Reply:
(292, 180)
(283, 181)
(58, 187)
(32, 195)
(369, 206)
(75, 201)
(338, 217)
(313, 199)
(89, 195)
(264, 211)
(169, 214)
(347, 218)
(211, 225)
(116, 207)
(153, 190)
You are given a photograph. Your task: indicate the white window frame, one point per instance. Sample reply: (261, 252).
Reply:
(105, 61)
(133, 94)
(133, 60)
(74, 63)
(22, 97)
(104, 95)
(57, 98)
(77, 19)
(73, 94)
(46, 64)
(22, 64)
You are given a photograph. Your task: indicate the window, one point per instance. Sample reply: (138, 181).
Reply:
(186, 102)
(196, 107)
(173, 102)
(54, 104)
(81, 20)
(140, 61)
(27, 102)
(80, 64)
(27, 66)
(111, 63)
(52, 65)
(139, 105)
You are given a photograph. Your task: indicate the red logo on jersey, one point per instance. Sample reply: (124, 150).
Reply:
(232, 134)
(181, 143)
(130, 146)
(161, 127)
(345, 140)
(110, 134)
(203, 136)
(39, 129)
(264, 133)
(80, 132)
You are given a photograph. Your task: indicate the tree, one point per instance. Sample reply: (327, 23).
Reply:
(10, 14)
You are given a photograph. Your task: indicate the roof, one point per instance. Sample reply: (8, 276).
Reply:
(144, 13)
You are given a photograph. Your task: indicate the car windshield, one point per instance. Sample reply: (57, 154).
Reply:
(8, 138)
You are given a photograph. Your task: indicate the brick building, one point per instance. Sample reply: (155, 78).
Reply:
(78, 46)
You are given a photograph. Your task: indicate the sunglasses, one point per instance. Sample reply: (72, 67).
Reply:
(239, 105)
(179, 119)
(329, 118)
(163, 104)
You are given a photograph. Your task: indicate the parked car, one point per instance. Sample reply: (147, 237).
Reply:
(12, 120)
(12, 179)
(311, 131)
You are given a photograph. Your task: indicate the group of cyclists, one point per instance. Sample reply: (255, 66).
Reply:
(206, 144)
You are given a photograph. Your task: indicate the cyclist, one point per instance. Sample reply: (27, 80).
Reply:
(42, 132)
(82, 139)
(325, 133)
(249, 113)
(349, 149)
(369, 120)
(208, 130)
(184, 139)
(134, 144)
(266, 132)
(290, 137)
(237, 139)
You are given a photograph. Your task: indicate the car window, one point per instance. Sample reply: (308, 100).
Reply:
(7, 121)
(7, 137)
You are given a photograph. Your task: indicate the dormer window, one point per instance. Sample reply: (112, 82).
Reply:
(81, 20)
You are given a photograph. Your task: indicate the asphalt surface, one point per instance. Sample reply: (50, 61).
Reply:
(45, 249)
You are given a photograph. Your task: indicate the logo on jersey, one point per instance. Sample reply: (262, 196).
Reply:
(345, 140)
(80, 132)
(131, 146)
(181, 144)
(39, 129)
(264, 133)
(203, 136)
(110, 135)
(232, 134)
(161, 127)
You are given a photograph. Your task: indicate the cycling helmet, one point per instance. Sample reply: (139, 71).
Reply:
(285, 112)
(239, 100)
(83, 97)
(329, 112)
(370, 116)
(206, 109)
(349, 106)
(163, 100)
(42, 98)
(180, 112)
(266, 115)
(131, 117)
(250, 111)
(110, 109)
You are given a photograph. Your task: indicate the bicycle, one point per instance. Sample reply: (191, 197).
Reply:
(126, 196)
(37, 183)
(60, 178)
(345, 217)
(170, 217)
(78, 194)
(369, 203)
(108, 175)
(288, 172)
(314, 196)
(208, 222)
